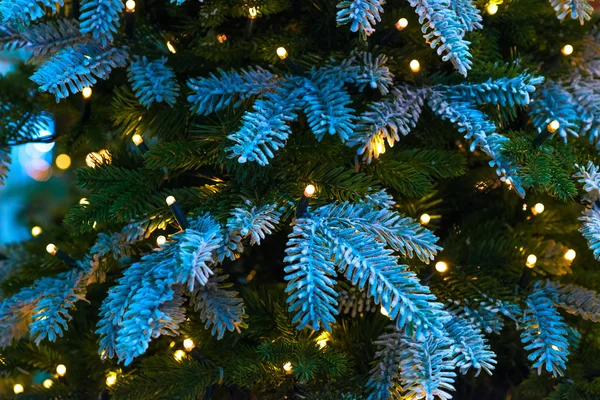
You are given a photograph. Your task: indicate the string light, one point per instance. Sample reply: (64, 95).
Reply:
(222, 38)
(130, 5)
(106, 156)
(492, 8)
(63, 161)
(553, 126)
(137, 139)
(18, 388)
(61, 369)
(161, 240)
(401, 24)
(322, 339)
(84, 201)
(309, 191)
(252, 12)
(188, 344)
(48, 383)
(441, 267)
(52, 249)
(570, 255)
(170, 200)
(282, 53)
(384, 311)
(555, 347)
(567, 50)
(171, 48)
(87, 92)
(531, 260)
(93, 159)
(179, 355)
(111, 379)
(36, 231)
(415, 66)
(425, 218)
(538, 209)
(288, 368)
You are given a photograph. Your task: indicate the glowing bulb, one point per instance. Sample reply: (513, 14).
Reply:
(63, 161)
(111, 379)
(222, 38)
(86, 92)
(84, 201)
(322, 343)
(401, 24)
(36, 231)
(538, 209)
(179, 355)
(425, 218)
(415, 66)
(309, 191)
(93, 159)
(130, 5)
(18, 388)
(170, 200)
(492, 8)
(172, 344)
(441, 267)
(570, 255)
(61, 369)
(252, 12)
(384, 311)
(171, 48)
(137, 139)
(188, 344)
(531, 260)
(48, 383)
(555, 347)
(106, 156)
(51, 249)
(567, 50)
(378, 146)
(553, 126)
(287, 367)
(161, 240)
(282, 53)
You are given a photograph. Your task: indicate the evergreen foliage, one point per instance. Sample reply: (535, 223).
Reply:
(101, 19)
(153, 81)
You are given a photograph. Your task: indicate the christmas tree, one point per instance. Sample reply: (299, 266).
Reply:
(326, 199)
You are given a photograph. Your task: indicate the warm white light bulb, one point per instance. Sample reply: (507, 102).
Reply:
(111, 379)
(130, 5)
(425, 218)
(61, 369)
(18, 388)
(188, 344)
(441, 267)
(48, 383)
(137, 139)
(538, 209)
(282, 53)
(222, 38)
(252, 12)
(288, 368)
(553, 126)
(171, 48)
(51, 249)
(567, 50)
(86, 92)
(179, 355)
(570, 255)
(170, 200)
(322, 343)
(36, 231)
(415, 66)
(531, 260)
(93, 159)
(84, 201)
(161, 240)
(309, 190)
(401, 24)
(492, 8)
(63, 161)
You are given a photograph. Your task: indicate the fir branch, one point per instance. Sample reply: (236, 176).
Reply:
(24, 11)
(590, 229)
(470, 348)
(553, 102)
(4, 163)
(578, 9)
(215, 93)
(361, 15)
(384, 377)
(77, 67)
(446, 36)
(590, 177)
(373, 72)
(467, 13)
(544, 331)
(153, 81)
(586, 94)
(101, 19)
(254, 221)
(578, 300)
